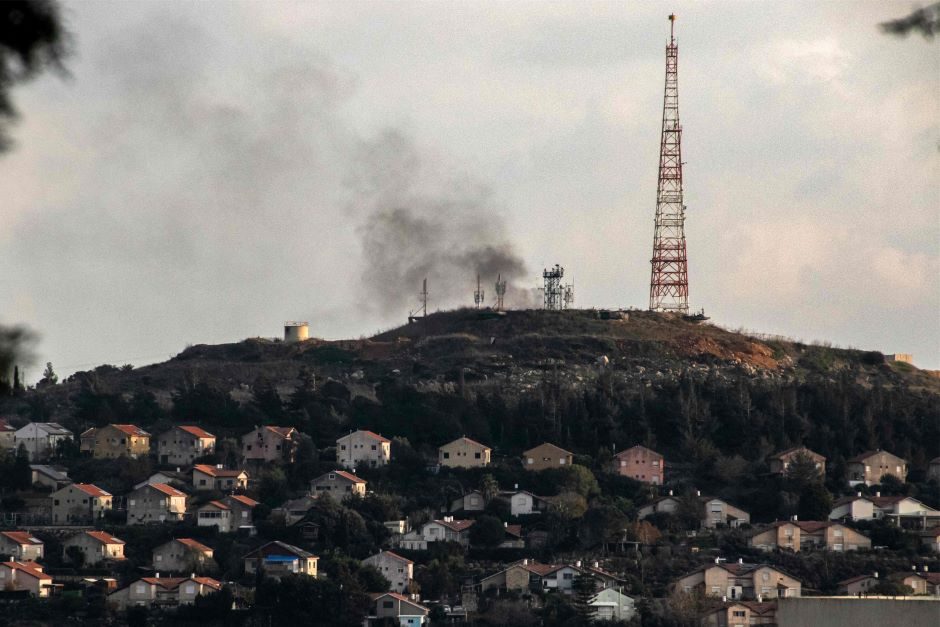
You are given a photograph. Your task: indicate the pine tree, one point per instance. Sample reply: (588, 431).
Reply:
(584, 591)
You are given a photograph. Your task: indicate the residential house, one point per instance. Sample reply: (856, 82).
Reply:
(473, 501)
(206, 477)
(611, 604)
(805, 535)
(49, 476)
(522, 503)
(270, 444)
(7, 436)
(155, 503)
(852, 508)
(279, 558)
(742, 614)
(519, 576)
(40, 439)
(545, 456)
(113, 441)
(96, 546)
(79, 503)
(338, 484)
(395, 609)
(183, 445)
(176, 479)
(640, 463)
(242, 510)
(780, 462)
(21, 546)
(27, 576)
(513, 537)
(933, 469)
(294, 510)
(931, 539)
(163, 592)
(718, 512)
(858, 585)
(464, 453)
(923, 582)
(530, 575)
(663, 505)
(363, 448)
(740, 581)
(871, 467)
(182, 555)
(215, 513)
(446, 530)
(397, 569)
(905, 511)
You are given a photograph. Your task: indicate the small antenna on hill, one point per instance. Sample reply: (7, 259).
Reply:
(478, 294)
(422, 310)
(500, 292)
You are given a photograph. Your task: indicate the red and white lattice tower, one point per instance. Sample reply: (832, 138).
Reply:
(669, 282)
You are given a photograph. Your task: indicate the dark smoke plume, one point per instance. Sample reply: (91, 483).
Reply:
(424, 223)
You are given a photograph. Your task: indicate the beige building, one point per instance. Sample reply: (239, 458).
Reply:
(861, 584)
(545, 456)
(640, 463)
(21, 546)
(183, 445)
(464, 453)
(871, 467)
(852, 508)
(25, 576)
(155, 503)
(445, 530)
(363, 448)
(338, 484)
(780, 462)
(113, 441)
(96, 546)
(396, 609)
(165, 592)
(269, 444)
(807, 535)
(182, 555)
(79, 503)
(398, 570)
(279, 558)
(718, 512)
(923, 582)
(206, 477)
(742, 614)
(241, 508)
(740, 581)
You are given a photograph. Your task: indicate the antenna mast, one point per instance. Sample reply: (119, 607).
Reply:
(553, 291)
(478, 294)
(422, 308)
(669, 281)
(500, 292)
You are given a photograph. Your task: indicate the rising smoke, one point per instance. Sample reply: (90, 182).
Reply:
(422, 223)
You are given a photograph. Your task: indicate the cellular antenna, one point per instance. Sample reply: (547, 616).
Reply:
(669, 280)
(500, 292)
(478, 294)
(553, 292)
(422, 310)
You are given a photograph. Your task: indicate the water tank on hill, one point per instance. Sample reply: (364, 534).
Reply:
(296, 332)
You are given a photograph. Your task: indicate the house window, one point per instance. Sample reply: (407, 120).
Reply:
(477, 455)
(561, 461)
(531, 461)
(623, 463)
(388, 604)
(373, 447)
(446, 455)
(141, 588)
(837, 547)
(568, 576)
(716, 589)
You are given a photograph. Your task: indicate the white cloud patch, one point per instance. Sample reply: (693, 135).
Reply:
(792, 60)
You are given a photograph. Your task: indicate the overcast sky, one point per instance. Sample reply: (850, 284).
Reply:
(212, 169)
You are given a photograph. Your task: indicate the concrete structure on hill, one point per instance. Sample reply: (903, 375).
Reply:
(270, 444)
(780, 462)
(41, 439)
(871, 467)
(640, 463)
(183, 445)
(545, 456)
(464, 453)
(21, 546)
(155, 503)
(338, 484)
(96, 546)
(79, 504)
(857, 612)
(113, 441)
(182, 555)
(363, 448)
(398, 570)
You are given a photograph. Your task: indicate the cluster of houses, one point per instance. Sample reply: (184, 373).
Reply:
(168, 496)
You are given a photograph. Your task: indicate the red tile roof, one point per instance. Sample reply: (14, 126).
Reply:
(284, 432)
(218, 504)
(466, 439)
(131, 430)
(22, 537)
(104, 538)
(212, 471)
(378, 595)
(165, 488)
(196, 431)
(91, 490)
(868, 454)
(349, 476)
(4, 426)
(371, 434)
(514, 530)
(244, 500)
(456, 525)
(192, 544)
(24, 567)
(550, 446)
(653, 453)
(398, 557)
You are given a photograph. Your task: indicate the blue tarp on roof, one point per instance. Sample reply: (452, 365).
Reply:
(280, 558)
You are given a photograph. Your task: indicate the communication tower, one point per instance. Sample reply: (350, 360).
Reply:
(421, 311)
(500, 292)
(669, 281)
(478, 294)
(553, 291)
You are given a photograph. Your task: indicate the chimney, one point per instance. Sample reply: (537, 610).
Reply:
(926, 568)
(760, 598)
(876, 574)
(525, 562)
(724, 599)
(740, 560)
(219, 466)
(157, 575)
(505, 525)
(878, 494)
(795, 518)
(515, 486)
(716, 560)
(670, 493)
(914, 567)
(698, 493)
(577, 564)
(858, 494)
(597, 565)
